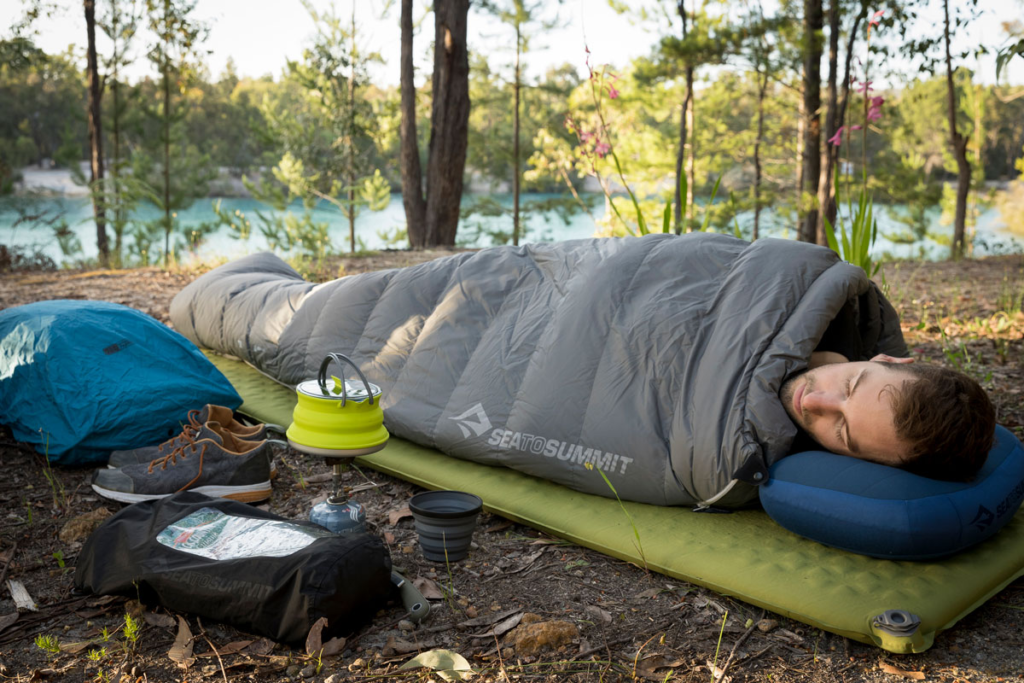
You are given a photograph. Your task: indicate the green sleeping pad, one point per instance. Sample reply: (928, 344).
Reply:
(744, 554)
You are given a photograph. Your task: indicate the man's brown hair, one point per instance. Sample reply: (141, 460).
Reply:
(948, 420)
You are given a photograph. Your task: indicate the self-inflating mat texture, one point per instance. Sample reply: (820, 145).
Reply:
(744, 554)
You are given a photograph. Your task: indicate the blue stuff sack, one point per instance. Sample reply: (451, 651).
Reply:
(79, 379)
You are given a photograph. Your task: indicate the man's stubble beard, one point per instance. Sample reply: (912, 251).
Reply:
(789, 390)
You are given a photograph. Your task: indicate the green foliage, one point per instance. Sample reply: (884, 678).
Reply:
(49, 644)
(636, 532)
(301, 128)
(327, 142)
(853, 246)
(1007, 53)
(170, 165)
(132, 628)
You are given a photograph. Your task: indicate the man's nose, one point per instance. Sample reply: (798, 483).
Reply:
(820, 402)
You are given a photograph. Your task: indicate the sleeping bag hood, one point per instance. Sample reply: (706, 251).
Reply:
(655, 361)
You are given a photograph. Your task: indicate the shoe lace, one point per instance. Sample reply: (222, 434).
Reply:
(172, 457)
(187, 431)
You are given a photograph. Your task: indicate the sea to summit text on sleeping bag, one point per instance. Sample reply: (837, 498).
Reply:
(575, 453)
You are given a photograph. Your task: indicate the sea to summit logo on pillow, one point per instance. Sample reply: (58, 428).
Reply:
(118, 346)
(473, 421)
(983, 519)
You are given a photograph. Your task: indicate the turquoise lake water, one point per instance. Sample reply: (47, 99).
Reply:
(372, 228)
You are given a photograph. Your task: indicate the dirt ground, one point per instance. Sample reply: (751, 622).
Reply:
(616, 621)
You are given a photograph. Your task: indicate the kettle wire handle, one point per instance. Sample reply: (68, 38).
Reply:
(341, 358)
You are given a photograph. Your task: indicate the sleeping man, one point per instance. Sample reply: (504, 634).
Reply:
(676, 369)
(926, 419)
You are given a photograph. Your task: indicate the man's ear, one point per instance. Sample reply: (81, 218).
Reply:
(885, 358)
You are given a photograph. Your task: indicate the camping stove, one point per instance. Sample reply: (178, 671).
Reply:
(338, 513)
(338, 419)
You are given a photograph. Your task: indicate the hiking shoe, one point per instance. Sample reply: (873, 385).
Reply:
(196, 419)
(213, 462)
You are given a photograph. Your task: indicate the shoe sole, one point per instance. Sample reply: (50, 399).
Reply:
(251, 493)
(273, 469)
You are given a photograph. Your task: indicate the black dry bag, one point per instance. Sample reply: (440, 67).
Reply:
(233, 563)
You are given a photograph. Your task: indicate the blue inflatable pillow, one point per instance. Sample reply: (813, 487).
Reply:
(79, 379)
(890, 513)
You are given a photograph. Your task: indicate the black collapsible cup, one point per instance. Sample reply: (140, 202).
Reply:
(445, 521)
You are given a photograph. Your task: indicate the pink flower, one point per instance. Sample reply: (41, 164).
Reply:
(602, 148)
(837, 139)
(585, 136)
(855, 127)
(612, 92)
(874, 113)
(877, 101)
(875, 17)
(864, 86)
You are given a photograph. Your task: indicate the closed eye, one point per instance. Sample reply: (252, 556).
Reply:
(841, 422)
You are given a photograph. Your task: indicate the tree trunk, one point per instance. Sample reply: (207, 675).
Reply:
(168, 225)
(836, 114)
(812, 104)
(115, 169)
(409, 159)
(762, 86)
(958, 143)
(351, 137)
(680, 201)
(831, 126)
(96, 138)
(801, 124)
(691, 160)
(449, 121)
(515, 150)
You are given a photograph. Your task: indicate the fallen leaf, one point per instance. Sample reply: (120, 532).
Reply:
(500, 526)
(648, 666)
(716, 673)
(181, 650)
(451, 666)
(333, 647)
(488, 619)
(262, 647)
(20, 595)
(7, 620)
(396, 515)
(601, 615)
(428, 589)
(313, 643)
(389, 538)
(161, 620)
(648, 594)
(105, 600)
(401, 647)
(503, 627)
(75, 648)
(319, 478)
(530, 559)
(889, 669)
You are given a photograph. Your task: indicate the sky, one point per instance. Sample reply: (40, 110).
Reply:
(260, 35)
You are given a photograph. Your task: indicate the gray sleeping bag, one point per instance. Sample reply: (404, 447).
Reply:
(657, 360)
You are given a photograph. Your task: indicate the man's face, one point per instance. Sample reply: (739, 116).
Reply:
(847, 409)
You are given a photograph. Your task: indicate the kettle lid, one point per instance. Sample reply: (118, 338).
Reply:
(354, 391)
